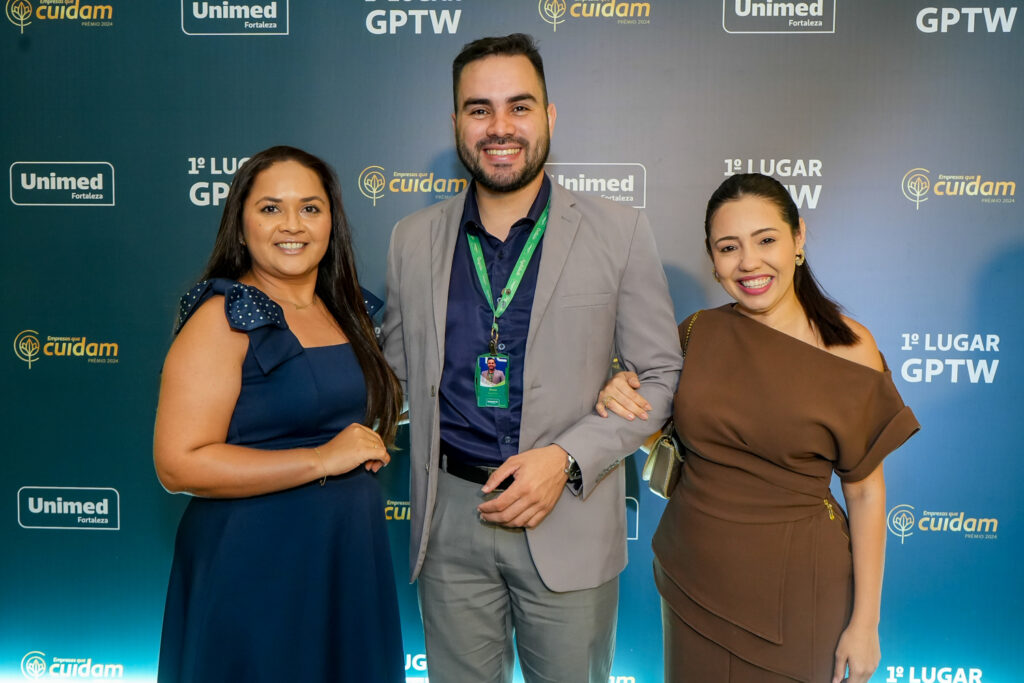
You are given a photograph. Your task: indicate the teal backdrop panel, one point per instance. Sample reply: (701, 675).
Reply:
(895, 125)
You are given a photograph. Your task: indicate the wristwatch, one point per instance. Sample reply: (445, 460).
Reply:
(572, 468)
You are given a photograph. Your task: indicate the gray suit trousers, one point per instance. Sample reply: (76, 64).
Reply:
(479, 587)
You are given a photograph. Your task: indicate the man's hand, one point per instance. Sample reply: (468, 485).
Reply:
(539, 479)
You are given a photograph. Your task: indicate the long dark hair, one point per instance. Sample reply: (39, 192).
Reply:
(336, 282)
(822, 311)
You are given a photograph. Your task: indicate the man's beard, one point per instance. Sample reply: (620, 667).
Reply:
(508, 181)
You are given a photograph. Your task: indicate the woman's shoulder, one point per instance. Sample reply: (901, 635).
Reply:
(207, 338)
(700, 319)
(863, 351)
(206, 318)
(714, 314)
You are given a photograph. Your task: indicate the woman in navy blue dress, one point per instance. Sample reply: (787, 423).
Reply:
(276, 407)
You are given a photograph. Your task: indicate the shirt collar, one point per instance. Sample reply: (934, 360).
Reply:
(471, 212)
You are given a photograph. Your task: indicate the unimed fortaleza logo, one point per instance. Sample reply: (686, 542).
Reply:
(779, 16)
(623, 12)
(24, 13)
(62, 183)
(69, 507)
(30, 347)
(376, 183)
(918, 187)
(235, 18)
(36, 665)
(625, 183)
(904, 521)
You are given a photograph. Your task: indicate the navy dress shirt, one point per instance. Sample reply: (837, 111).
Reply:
(470, 434)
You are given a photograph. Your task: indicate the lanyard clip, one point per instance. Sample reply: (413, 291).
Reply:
(494, 337)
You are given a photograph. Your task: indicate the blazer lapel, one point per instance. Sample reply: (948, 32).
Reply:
(563, 221)
(443, 232)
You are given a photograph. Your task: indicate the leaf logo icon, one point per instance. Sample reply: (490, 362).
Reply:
(916, 184)
(26, 346)
(901, 522)
(371, 183)
(552, 11)
(19, 12)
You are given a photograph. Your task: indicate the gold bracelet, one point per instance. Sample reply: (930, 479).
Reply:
(323, 479)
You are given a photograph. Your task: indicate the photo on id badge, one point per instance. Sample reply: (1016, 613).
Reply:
(491, 384)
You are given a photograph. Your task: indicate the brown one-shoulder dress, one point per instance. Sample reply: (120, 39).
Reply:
(752, 555)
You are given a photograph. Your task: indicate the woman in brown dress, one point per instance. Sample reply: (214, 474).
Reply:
(761, 576)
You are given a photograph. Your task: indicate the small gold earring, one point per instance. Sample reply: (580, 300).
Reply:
(800, 258)
(714, 274)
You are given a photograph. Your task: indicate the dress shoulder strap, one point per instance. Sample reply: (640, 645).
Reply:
(689, 329)
(245, 307)
(248, 310)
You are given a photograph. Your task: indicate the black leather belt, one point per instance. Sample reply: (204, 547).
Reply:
(477, 475)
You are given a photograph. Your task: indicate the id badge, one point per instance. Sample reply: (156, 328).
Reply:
(492, 381)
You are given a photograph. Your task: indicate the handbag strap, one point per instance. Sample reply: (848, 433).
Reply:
(689, 329)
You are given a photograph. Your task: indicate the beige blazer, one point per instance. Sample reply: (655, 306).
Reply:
(601, 292)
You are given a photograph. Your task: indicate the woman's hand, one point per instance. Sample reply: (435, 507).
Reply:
(619, 396)
(859, 650)
(353, 446)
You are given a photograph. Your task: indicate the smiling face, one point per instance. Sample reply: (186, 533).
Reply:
(502, 124)
(286, 221)
(491, 364)
(754, 253)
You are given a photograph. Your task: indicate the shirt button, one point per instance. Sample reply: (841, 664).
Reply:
(507, 439)
(501, 346)
(501, 253)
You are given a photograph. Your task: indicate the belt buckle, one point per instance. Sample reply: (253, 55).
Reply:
(483, 472)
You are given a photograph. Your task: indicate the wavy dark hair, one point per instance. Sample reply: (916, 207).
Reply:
(512, 45)
(337, 284)
(822, 311)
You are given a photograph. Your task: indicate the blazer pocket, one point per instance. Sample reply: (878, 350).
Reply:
(585, 300)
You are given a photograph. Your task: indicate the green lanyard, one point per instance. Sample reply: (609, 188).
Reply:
(513, 279)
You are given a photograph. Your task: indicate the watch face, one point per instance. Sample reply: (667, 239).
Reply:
(572, 468)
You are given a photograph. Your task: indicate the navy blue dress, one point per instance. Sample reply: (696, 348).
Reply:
(296, 585)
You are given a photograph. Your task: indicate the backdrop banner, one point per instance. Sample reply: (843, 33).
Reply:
(895, 124)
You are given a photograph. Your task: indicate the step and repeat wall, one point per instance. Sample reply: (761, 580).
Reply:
(895, 124)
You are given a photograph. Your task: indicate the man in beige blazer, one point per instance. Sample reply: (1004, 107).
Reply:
(518, 500)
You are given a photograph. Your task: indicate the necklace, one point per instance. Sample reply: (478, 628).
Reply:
(297, 307)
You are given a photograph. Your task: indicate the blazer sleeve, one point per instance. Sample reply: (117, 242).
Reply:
(646, 342)
(391, 328)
